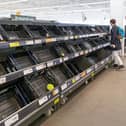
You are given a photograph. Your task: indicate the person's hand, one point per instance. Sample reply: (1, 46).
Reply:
(113, 46)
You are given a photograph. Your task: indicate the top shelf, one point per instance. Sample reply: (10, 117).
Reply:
(23, 33)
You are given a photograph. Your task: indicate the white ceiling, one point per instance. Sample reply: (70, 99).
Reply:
(54, 9)
(52, 5)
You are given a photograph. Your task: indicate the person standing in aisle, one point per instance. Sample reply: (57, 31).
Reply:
(116, 44)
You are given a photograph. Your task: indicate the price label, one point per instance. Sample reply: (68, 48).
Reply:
(83, 36)
(71, 37)
(86, 51)
(77, 77)
(28, 71)
(76, 54)
(40, 67)
(29, 42)
(101, 35)
(11, 120)
(102, 62)
(66, 38)
(38, 41)
(43, 100)
(107, 44)
(90, 50)
(64, 86)
(66, 58)
(82, 53)
(55, 92)
(2, 80)
(73, 80)
(48, 40)
(94, 49)
(76, 37)
(107, 59)
(89, 70)
(14, 44)
(83, 74)
(50, 63)
(99, 47)
(96, 66)
(61, 60)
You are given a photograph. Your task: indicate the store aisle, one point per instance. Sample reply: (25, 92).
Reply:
(101, 103)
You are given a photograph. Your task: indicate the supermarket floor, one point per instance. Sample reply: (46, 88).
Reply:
(101, 103)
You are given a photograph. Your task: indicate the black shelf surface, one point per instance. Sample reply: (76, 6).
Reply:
(28, 70)
(41, 102)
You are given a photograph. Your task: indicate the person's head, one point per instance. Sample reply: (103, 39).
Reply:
(113, 22)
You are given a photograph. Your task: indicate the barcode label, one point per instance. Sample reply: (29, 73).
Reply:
(28, 71)
(30, 42)
(2, 80)
(64, 86)
(40, 67)
(12, 120)
(43, 100)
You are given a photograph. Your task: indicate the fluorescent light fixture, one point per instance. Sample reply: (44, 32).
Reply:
(12, 2)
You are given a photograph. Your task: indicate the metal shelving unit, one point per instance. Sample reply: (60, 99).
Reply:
(38, 55)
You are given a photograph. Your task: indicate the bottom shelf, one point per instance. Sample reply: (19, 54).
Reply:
(46, 102)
